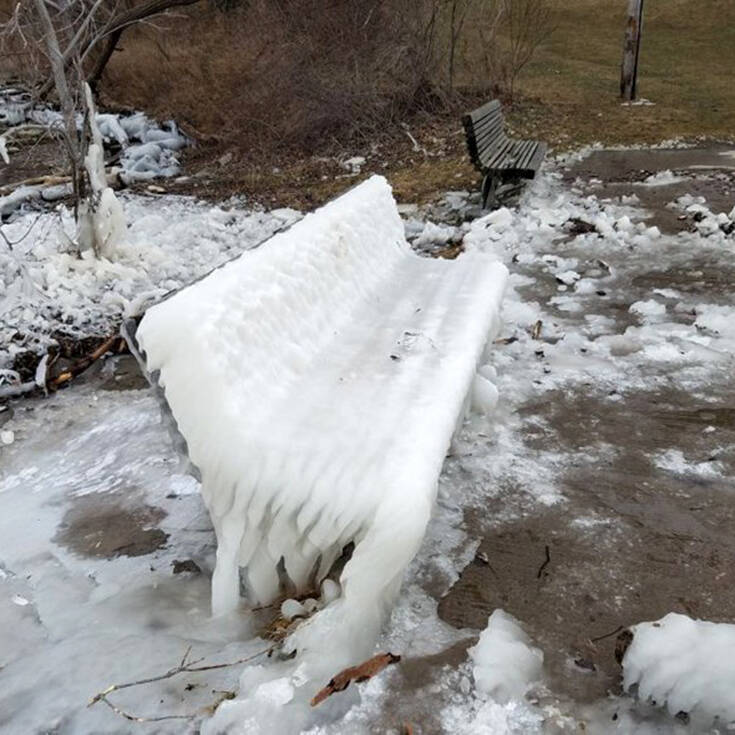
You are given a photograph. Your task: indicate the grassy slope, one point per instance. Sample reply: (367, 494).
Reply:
(687, 68)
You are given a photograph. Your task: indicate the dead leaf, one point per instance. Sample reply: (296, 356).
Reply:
(536, 331)
(362, 672)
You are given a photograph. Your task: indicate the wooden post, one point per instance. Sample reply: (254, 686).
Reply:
(631, 50)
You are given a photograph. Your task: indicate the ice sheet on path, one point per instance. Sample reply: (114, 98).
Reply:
(85, 466)
(685, 665)
(170, 242)
(663, 178)
(318, 387)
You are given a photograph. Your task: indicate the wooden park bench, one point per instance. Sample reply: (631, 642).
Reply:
(501, 160)
(317, 381)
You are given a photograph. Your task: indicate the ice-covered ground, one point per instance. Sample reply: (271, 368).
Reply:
(612, 445)
(170, 241)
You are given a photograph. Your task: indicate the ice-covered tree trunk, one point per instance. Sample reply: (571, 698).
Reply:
(101, 225)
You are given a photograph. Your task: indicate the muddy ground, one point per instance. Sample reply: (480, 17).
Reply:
(633, 541)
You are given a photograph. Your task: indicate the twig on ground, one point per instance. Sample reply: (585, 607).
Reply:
(544, 565)
(607, 635)
(186, 666)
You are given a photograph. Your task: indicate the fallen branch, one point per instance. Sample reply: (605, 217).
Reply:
(362, 672)
(186, 666)
(34, 181)
(111, 175)
(84, 363)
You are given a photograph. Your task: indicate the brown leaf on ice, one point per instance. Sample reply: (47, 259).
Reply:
(362, 672)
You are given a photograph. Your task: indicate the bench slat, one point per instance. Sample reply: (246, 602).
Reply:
(497, 139)
(488, 108)
(525, 148)
(499, 154)
(489, 131)
(528, 156)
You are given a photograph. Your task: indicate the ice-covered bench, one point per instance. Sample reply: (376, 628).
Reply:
(317, 382)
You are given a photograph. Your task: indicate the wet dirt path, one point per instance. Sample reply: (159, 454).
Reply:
(646, 526)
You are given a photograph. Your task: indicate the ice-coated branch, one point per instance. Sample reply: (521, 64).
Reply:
(186, 666)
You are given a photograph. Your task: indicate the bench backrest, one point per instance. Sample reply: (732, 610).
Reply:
(485, 130)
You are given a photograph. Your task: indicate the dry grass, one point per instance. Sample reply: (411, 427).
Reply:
(569, 91)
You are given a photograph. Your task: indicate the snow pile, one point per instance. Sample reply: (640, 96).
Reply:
(317, 382)
(506, 664)
(171, 242)
(686, 665)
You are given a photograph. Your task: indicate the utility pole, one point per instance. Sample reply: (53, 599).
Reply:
(631, 50)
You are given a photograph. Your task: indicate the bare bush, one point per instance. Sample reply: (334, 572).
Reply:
(284, 73)
(511, 32)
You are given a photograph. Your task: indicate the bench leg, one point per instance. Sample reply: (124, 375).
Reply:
(489, 187)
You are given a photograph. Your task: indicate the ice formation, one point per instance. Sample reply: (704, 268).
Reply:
(148, 149)
(102, 221)
(317, 382)
(506, 664)
(686, 665)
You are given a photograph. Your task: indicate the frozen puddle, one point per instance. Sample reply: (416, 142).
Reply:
(599, 496)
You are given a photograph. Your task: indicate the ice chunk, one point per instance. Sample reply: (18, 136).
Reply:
(567, 277)
(501, 219)
(506, 664)
(7, 437)
(650, 308)
(685, 664)
(484, 395)
(291, 609)
(330, 591)
(317, 381)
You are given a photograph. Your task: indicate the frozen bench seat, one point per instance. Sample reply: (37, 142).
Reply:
(317, 381)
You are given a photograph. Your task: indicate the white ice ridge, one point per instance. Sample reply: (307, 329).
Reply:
(317, 381)
(687, 665)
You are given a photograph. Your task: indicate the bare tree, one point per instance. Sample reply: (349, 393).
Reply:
(64, 44)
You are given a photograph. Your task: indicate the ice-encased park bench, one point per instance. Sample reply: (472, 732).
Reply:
(317, 381)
